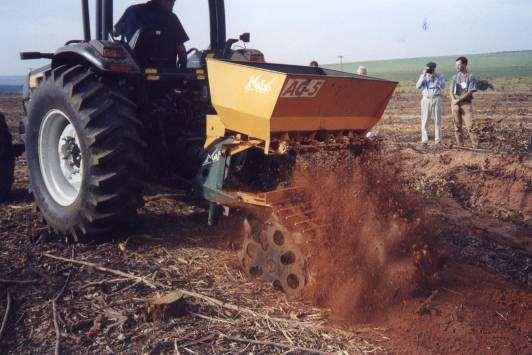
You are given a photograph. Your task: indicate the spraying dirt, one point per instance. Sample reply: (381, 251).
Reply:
(376, 250)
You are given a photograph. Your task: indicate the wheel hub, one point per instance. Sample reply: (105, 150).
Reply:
(60, 157)
(70, 156)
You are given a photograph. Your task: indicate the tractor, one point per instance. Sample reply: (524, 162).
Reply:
(108, 117)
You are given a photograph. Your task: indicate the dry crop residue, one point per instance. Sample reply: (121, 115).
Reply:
(377, 249)
(475, 310)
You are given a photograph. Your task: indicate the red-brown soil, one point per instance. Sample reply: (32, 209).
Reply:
(378, 246)
(481, 200)
(473, 313)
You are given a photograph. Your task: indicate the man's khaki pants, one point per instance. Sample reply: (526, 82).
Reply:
(430, 107)
(463, 114)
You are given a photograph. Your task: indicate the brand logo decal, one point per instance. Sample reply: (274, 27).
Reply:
(213, 157)
(302, 87)
(259, 85)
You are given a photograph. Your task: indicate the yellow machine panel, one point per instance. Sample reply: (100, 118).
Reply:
(268, 101)
(244, 97)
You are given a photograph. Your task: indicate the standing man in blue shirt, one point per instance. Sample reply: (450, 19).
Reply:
(156, 14)
(462, 89)
(431, 85)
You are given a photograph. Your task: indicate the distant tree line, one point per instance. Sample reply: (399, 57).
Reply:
(10, 89)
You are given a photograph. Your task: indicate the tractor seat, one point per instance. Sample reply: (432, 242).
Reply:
(155, 48)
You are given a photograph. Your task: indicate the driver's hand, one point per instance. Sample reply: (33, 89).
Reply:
(182, 56)
(182, 64)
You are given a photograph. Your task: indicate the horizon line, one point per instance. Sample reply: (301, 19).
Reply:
(369, 61)
(438, 56)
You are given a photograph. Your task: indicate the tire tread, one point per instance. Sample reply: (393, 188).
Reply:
(112, 132)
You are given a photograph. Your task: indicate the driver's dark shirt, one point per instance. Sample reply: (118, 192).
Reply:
(150, 15)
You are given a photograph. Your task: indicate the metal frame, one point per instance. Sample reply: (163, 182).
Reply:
(86, 22)
(107, 18)
(104, 19)
(218, 29)
(98, 19)
(104, 22)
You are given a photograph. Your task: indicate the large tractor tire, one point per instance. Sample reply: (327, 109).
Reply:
(7, 160)
(84, 154)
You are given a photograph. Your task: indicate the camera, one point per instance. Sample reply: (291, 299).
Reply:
(430, 70)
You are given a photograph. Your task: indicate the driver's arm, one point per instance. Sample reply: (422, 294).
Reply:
(182, 55)
(127, 25)
(182, 37)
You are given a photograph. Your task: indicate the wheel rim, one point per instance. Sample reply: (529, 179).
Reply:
(60, 157)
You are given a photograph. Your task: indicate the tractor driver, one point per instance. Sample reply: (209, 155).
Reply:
(158, 14)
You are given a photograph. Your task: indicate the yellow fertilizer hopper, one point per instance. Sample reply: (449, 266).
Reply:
(280, 109)
(280, 104)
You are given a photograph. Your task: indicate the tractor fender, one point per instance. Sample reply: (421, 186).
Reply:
(94, 53)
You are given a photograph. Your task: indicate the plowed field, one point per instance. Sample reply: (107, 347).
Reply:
(481, 200)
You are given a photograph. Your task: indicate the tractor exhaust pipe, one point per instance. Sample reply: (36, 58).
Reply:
(86, 20)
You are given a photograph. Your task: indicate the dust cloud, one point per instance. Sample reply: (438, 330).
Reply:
(378, 248)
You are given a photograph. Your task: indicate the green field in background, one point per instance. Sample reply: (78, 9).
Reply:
(505, 70)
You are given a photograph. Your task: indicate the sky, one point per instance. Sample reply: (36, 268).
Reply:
(298, 31)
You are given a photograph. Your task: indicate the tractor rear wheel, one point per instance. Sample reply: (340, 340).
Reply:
(84, 154)
(7, 160)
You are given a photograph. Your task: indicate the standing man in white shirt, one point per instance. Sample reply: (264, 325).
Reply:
(431, 85)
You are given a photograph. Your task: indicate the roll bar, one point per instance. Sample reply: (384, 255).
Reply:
(104, 22)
